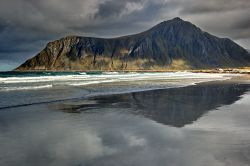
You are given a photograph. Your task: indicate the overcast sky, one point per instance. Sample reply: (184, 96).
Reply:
(27, 25)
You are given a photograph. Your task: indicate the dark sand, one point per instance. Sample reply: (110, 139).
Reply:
(200, 125)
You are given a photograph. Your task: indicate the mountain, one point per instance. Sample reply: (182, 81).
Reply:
(173, 44)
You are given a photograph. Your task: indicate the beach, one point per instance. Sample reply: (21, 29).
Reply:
(112, 118)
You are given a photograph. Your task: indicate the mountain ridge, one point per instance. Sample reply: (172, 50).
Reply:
(172, 44)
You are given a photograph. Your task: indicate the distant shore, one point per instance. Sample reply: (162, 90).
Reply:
(245, 70)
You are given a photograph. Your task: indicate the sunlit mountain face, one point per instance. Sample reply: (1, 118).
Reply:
(174, 44)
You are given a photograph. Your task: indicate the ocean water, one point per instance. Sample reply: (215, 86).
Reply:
(127, 119)
(22, 88)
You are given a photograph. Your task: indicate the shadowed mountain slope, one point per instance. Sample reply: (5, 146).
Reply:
(173, 44)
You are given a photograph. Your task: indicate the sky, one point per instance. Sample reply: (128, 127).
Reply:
(26, 26)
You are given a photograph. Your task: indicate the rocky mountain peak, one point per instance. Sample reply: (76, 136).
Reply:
(173, 44)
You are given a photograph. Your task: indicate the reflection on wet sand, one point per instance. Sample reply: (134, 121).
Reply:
(134, 129)
(175, 107)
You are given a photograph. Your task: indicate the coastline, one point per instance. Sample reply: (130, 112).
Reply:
(144, 122)
(143, 125)
(67, 86)
(86, 91)
(244, 70)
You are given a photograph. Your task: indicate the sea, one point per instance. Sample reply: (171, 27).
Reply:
(124, 118)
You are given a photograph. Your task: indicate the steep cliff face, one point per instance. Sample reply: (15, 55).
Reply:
(173, 44)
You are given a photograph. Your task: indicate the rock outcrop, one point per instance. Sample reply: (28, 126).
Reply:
(173, 44)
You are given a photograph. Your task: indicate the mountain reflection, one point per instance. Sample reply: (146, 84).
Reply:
(175, 107)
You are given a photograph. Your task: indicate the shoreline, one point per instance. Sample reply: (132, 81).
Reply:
(239, 79)
(245, 70)
(174, 117)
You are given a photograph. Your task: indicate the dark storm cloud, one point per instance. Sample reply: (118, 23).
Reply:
(213, 6)
(27, 25)
(3, 25)
(243, 23)
(113, 8)
(133, 16)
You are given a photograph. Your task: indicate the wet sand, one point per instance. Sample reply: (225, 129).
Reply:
(199, 125)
